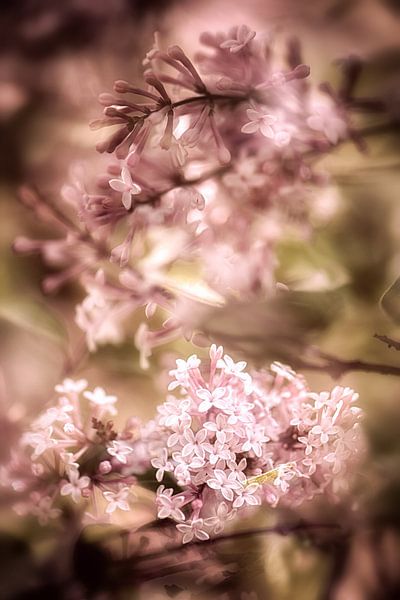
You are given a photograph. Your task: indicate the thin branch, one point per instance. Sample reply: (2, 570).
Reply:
(390, 342)
(277, 529)
(207, 98)
(363, 132)
(182, 183)
(338, 367)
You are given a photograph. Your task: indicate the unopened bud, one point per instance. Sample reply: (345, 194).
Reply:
(121, 86)
(176, 52)
(106, 99)
(301, 71)
(105, 467)
(24, 245)
(37, 469)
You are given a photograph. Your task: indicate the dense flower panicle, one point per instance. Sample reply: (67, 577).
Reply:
(76, 453)
(230, 439)
(233, 440)
(212, 157)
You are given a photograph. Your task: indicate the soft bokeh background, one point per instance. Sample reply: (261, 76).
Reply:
(55, 59)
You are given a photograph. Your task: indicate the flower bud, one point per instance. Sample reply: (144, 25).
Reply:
(301, 71)
(105, 467)
(106, 99)
(121, 86)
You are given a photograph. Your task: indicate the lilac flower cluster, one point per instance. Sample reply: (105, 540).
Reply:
(211, 160)
(75, 452)
(233, 440)
(230, 440)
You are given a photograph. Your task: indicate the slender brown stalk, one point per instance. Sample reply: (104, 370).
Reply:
(277, 529)
(338, 367)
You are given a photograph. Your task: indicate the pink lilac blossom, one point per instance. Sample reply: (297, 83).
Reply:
(126, 186)
(234, 439)
(117, 500)
(231, 439)
(217, 153)
(241, 39)
(73, 451)
(75, 486)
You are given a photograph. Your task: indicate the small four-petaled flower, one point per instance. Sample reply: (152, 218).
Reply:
(127, 186)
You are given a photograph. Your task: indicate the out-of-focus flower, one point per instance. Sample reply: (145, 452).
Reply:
(243, 36)
(40, 441)
(204, 194)
(325, 120)
(99, 398)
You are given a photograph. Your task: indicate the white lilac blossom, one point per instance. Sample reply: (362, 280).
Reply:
(100, 398)
(238, 439)
(218, 153)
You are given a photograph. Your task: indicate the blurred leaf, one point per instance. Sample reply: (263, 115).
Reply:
(390, 301)
(185, 279)
(122, 358)
(306, 267)
(32, 316)
(193, 289)
(363, 244)
(279, 329)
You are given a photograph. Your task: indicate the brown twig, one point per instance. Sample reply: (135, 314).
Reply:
(390, 342)
(338, 367)
(277, 529)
